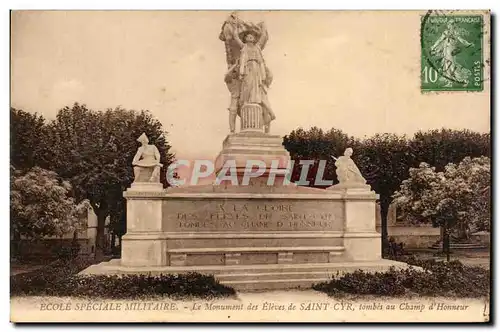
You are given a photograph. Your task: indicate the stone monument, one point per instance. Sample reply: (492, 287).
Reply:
(255, 236)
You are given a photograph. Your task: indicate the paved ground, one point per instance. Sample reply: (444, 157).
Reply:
(23, 268)
(483, 262)
(468, 257)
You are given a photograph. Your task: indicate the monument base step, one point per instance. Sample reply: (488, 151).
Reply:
(254, 277)
(274, 284)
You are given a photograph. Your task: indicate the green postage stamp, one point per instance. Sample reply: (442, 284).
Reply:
(451, 52)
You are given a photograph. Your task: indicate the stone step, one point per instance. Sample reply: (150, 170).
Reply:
(289, 276)
(277, 275)
(114, 266)
(273, 284)
(256, 277)
(331, 268)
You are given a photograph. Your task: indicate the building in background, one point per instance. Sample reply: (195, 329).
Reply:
(415, 235)
(85, 236)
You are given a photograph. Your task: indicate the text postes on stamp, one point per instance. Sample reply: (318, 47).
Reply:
(451, 52)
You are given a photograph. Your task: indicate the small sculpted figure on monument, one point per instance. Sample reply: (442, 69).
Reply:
(248, 78)
(147, 158)
(347, 171)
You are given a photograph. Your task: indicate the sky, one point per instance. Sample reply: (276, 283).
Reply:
(355, 71)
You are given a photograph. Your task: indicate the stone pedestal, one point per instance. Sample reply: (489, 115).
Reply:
(143, 245)
(361, 240)
(145, 174)
(146, 186)
(250, 237)
(246, 146)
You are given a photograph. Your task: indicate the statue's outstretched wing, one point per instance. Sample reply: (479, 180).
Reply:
(233, 45)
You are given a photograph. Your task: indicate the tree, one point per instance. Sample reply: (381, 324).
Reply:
(384, 160)
(456, 199)
(439, 147)
(94, 151)
(315, 144)
(41, 205)
(475, 175)
(27, 140)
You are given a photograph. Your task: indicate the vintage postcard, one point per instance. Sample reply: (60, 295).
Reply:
(250, 166)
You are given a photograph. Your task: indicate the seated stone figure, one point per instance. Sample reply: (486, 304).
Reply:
(348, 173)
(146, 162)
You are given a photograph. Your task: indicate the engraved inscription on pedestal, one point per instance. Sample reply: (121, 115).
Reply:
(252, 215)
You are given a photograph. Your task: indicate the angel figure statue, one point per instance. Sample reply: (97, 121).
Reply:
(146, 158)
(446, 47)
(347, 171)
(248, 78)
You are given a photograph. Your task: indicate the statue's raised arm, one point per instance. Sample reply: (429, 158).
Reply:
(264, 36)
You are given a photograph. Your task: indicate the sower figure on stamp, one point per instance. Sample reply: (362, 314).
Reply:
(248, 78)
(446, 47)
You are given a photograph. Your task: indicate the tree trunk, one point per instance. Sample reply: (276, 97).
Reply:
(16, 245)
(446, 240)
(441, 233)
(384, 211)
(463, 234)
(99, 241)
(101, 212)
